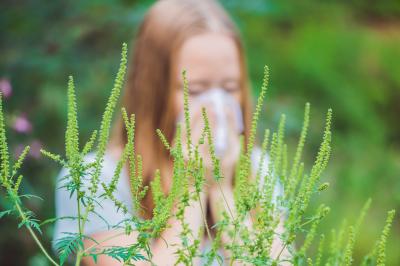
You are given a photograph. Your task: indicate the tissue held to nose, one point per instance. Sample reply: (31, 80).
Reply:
(226, 112)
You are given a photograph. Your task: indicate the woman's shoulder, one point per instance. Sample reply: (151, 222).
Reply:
(107, 173)
(109, 158)
(108, 164)
(104, 214)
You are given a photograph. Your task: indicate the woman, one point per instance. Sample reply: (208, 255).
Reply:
(176, 35)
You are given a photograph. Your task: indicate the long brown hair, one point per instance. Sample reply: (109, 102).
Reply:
(151, 79)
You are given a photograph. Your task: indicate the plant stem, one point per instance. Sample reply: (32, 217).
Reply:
(78, 259)
(80, 226)
(102, 241)
(79, 215)
(233, 241)
(280, 253)
(224, 198)
(231, 213)
(204, 217)
(23, 217)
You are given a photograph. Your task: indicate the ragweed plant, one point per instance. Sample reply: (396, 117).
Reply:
(255, 195)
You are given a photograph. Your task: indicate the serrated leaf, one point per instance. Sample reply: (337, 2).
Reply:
(89, 237)
(68, 245)
(30, 196)
(4, 213)
(31, 223)
(52, 220)
(102, 218)
(124, 254)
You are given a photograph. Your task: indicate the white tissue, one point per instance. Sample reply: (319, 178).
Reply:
(220, 102)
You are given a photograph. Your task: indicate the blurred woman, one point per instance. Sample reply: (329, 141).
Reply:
(176, 35)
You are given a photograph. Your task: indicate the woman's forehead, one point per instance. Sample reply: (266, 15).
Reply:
(209, 56)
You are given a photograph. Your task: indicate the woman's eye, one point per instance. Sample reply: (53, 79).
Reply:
(195, 89)
(231, 86)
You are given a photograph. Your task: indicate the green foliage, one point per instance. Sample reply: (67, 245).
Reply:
(342, 54)
(4, 155)
(382, 241)
(68, 245)
(254, 198)
(123, 254)
(107, 116)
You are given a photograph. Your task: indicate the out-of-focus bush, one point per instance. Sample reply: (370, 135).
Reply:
(345, 56)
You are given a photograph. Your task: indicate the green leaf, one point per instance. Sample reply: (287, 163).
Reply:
(31, 223)
(30, 196)
(52, 220)
(4, 213)
(94, 256)
(68, 245)
(124, 254)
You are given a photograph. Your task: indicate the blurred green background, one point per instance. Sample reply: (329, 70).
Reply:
(339, 54)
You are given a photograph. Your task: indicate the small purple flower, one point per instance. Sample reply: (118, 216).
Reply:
(5, 87)
(36, 145)
(22, 124)
(34, 152)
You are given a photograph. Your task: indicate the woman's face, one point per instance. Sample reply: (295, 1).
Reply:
(211, 60)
